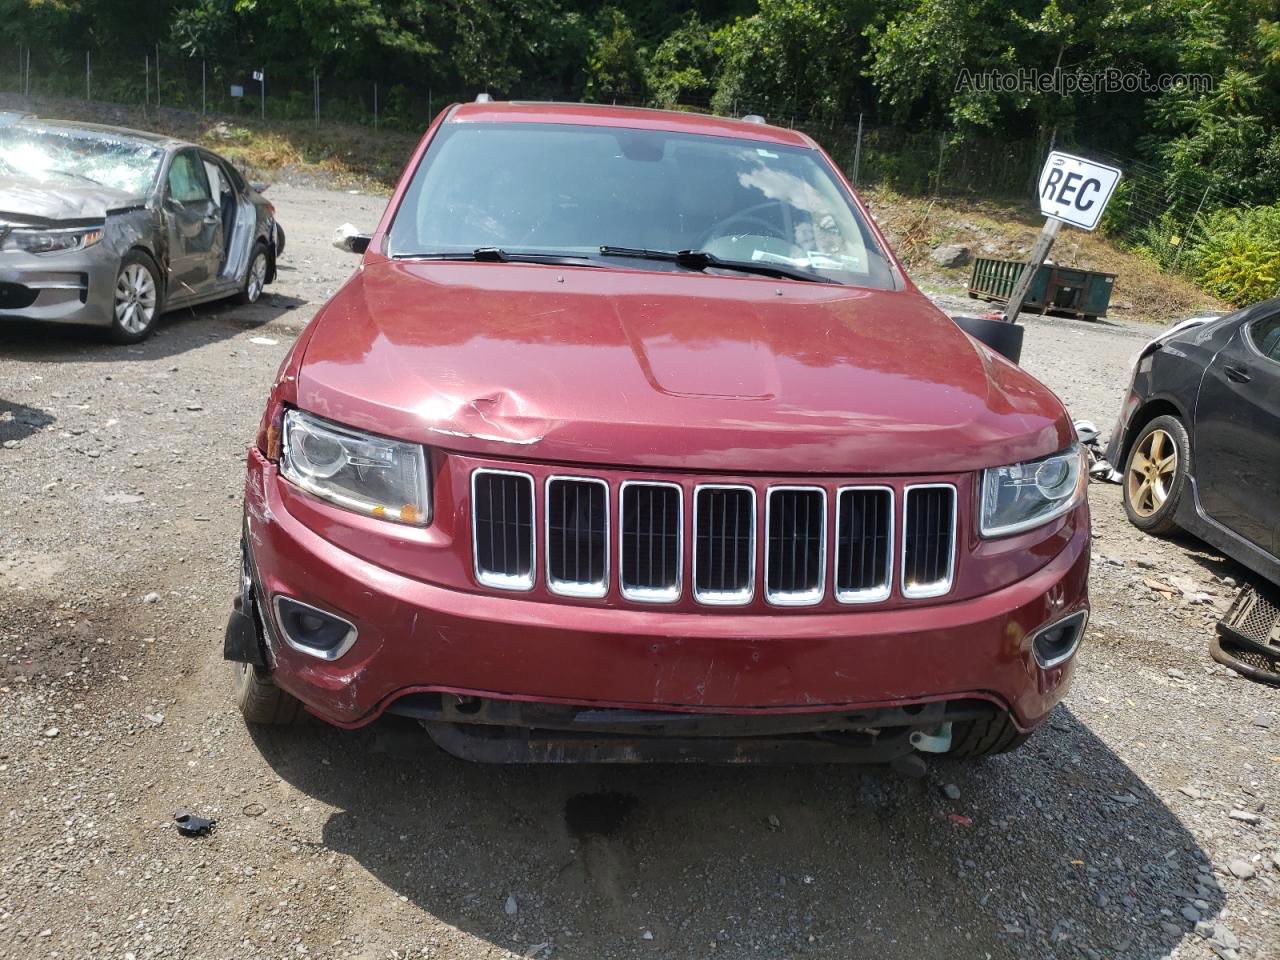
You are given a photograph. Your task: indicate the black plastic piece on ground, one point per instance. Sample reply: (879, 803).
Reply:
(1245, 661)
(1004, 338)
(1253, 621)
(189, 825)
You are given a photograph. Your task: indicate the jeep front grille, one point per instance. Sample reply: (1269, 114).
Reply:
(577, 547)
(864, 544)
(795, 545)
(724, 546)
(928, 543)
(581, 539)
(650, 552)
(502, 528)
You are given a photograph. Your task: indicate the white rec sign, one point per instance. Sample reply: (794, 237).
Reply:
(1075, 190)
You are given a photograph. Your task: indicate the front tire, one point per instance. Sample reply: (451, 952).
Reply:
(986, 736)
(136, 299)
(255, 278)
(1155, 475)
(260, 701)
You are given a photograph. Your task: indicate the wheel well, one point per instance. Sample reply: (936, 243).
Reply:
(1151, 410)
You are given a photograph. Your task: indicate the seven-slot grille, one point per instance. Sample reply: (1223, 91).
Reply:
(724, 544)
(577, 547)
(650, 555)
(502, 528)
(864, 544)
(928, 542)
(578, 539)
(795, 551)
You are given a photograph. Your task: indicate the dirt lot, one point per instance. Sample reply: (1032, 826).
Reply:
(1141, 822)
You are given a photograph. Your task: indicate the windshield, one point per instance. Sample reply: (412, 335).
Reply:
(66, 155)
(569, 190)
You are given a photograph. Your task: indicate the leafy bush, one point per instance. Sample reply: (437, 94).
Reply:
(1237, 258)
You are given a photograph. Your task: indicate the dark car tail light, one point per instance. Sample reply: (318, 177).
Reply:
(650, 553)
(795, 548)
(724, 550)
(502, 528)
(577, 546)
(929, 541)
(864, 544)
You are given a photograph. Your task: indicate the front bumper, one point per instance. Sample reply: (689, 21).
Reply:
(416, 638)
(74, 287)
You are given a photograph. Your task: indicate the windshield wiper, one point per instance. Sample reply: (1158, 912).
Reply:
(78, 176)
(701, 260)
(498, 255)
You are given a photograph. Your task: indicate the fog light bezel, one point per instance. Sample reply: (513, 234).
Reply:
(1082, 616)
(321, 653)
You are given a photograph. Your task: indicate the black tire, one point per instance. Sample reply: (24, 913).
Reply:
(255, 277)
(986, 736)
(260, 701)
(126, 327)
(1143, 510)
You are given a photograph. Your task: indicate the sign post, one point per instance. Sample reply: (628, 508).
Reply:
(261, 77)
(1072, 190)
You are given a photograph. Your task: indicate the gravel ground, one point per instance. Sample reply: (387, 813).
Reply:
(1140, 822)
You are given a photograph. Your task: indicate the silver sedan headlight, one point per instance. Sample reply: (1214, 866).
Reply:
(50, 241)
(1025, 495)
(372, 475)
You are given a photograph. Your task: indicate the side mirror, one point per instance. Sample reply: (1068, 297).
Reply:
(348, 239)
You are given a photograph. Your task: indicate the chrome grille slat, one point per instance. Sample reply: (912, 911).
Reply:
(928, 540)
(502, 531)
(577, 536)
(650, 541)
(795, 545)
(724, 557)
(864, 544)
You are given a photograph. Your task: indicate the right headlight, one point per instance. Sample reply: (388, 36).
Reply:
(373, 475)
(1025, 495)
(50, 241)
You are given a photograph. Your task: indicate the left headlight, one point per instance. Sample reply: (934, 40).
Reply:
(371, 475)
(1025, 495)
(50, 241)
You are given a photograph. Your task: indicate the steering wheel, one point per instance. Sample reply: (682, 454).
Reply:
(747, 216)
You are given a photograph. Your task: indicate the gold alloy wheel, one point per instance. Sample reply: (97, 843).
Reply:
(1151, 473)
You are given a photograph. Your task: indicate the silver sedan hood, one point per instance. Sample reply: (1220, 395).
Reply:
(31, 200)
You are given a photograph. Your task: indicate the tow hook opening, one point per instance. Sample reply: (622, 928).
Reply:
(934, 740)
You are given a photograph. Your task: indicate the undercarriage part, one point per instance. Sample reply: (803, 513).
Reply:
(506, 731)
(937, 740)
(909, 765)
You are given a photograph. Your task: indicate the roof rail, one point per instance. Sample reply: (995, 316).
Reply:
(753, 118)
(483, 98)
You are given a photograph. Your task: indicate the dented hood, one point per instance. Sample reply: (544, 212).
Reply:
(39, 201)
(673, 370)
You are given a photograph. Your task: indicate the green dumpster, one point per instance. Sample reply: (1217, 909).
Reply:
(1055, 289)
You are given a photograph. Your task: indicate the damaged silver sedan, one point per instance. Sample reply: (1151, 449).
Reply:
(111, 227)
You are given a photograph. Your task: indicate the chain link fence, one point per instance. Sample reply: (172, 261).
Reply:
(1149, 213)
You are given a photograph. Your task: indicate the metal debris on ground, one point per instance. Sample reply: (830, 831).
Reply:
(189, 825)
(1100, 467)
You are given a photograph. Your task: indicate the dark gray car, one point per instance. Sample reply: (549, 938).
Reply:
(111, 227)
(1198, 441)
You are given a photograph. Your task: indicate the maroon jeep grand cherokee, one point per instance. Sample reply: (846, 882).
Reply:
(630, 439)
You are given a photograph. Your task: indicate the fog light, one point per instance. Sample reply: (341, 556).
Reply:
(1056, 643)
(313, 631)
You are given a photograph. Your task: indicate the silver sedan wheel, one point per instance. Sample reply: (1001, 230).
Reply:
(135, 298)
(257, 278)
